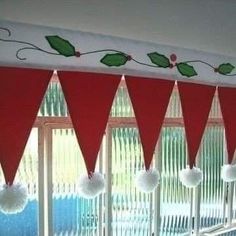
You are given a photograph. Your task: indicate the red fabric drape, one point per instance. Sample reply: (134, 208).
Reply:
(196, 103)
(21, 93)
(89, 97)
(227, 99)
(150, 98)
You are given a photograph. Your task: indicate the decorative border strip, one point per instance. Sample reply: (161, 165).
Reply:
(116, 58)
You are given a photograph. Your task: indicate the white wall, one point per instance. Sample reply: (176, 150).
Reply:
(208, 25)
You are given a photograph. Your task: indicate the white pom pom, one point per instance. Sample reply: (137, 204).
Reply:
(91, 187)
(13, 198)
(147, 181)
(191, 177)
(228, 173)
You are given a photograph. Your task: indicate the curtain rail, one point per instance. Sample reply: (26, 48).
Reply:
(65, 122)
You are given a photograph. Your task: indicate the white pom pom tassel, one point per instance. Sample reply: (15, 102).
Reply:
(147, 180)
(13, 198)
(90, 187)
(228, 173)
(191, 177)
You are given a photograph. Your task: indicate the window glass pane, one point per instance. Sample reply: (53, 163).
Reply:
(211, 159)
(54, 102)
(26, 222)
(130, 207)
(72, 215)
(215, 108)
(174, 107)
(234, 208)
(175, 198)
(122, 105)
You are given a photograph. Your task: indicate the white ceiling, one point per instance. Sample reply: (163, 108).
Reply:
(208, 25)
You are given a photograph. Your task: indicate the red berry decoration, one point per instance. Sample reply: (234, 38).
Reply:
(171, 66)
(173, 57)
(129, 57)
(77, 54)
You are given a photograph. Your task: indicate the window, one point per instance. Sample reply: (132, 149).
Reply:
(52, 163)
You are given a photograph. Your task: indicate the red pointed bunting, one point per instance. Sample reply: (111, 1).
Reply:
(21, 93)
(89, 97)
(196, 103)
(227, 98)
(150, 98)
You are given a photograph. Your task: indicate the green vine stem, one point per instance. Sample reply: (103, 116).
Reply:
(117, 51)
(118, 58)
(102, 50)
(31, 46)
(207, 64)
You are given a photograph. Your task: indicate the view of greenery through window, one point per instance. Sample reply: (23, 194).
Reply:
(132, 211)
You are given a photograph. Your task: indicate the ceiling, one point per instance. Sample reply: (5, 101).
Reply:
(208, 25)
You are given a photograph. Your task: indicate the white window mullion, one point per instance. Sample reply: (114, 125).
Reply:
(225, 185)
(150, 213)
(230, 203)
(230, 196)
(100, 213)
(41, 188)
(157, 194)
(108, 199)
(197, 202)
(48, 182)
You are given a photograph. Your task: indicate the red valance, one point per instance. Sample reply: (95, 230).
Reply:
(21, 93)
(196, 103)
(89, 97)
(227, 99)
(150, 98)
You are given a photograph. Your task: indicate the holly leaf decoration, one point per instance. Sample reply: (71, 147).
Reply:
(225, 69)
(62, 46)
(159, 59)
(185, 69)
(115, 59)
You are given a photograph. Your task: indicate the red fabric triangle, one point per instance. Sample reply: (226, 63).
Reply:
(89, 97)
(196, 103)
(21, 93)
(150, 98)
(227, 99)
